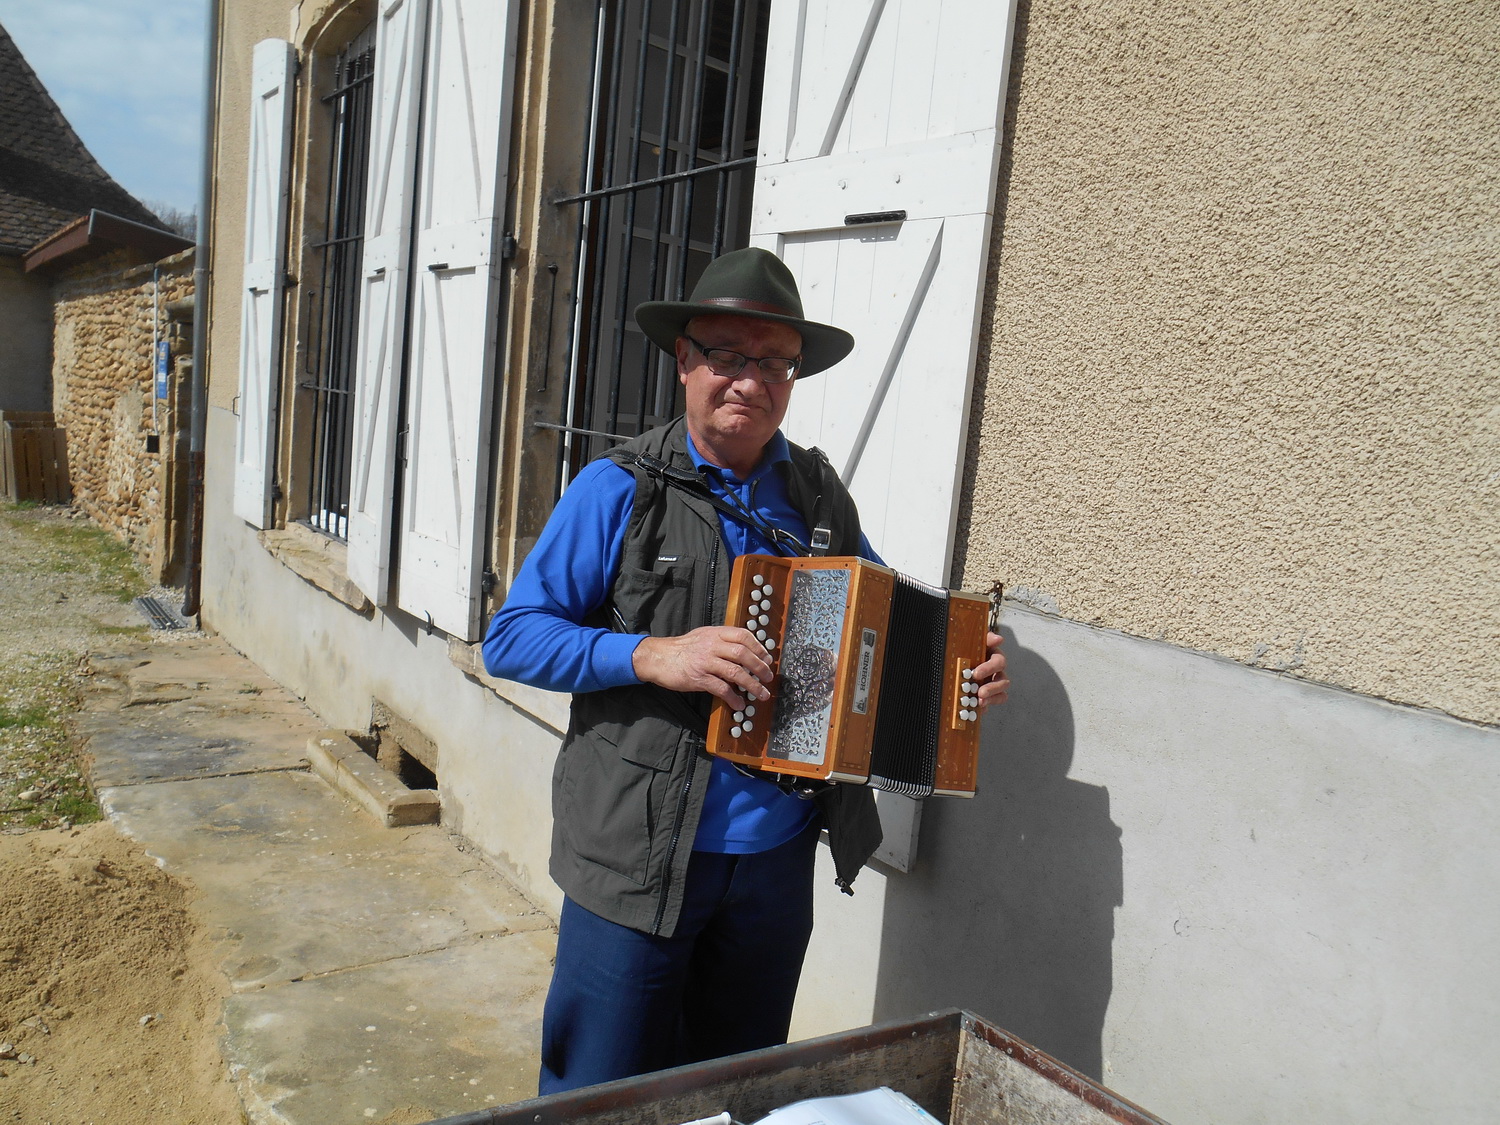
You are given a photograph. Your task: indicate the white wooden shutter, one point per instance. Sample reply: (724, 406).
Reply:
(875, 107)
(399, 39)
(461, 199)
(264, 278)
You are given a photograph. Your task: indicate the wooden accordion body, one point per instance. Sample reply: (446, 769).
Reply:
(872, 676)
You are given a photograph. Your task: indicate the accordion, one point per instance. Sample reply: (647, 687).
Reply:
(873, 676)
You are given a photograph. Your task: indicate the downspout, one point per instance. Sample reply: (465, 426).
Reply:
(198, 395)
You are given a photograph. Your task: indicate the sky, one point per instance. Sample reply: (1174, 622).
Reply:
(128, 76)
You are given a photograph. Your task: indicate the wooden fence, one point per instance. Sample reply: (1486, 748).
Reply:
(33, 458)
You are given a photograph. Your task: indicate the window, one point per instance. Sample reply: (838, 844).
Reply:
(334, 304)
(669, 171)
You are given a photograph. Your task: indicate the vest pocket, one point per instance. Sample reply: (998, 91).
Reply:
(657, 601)
(614, 798)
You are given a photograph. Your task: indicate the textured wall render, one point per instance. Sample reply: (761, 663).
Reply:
(1238, 382)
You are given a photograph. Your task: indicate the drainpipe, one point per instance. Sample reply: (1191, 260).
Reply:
(198, 396)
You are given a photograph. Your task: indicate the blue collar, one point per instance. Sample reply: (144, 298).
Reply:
(777, 449)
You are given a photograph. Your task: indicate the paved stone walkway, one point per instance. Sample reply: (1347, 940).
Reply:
(377, 974)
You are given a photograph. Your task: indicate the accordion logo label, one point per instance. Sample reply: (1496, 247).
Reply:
(867, 642)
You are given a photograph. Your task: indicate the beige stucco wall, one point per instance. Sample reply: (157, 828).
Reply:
(1238, 377)
(25, 337)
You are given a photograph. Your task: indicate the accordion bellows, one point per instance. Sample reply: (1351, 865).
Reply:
(872, 676)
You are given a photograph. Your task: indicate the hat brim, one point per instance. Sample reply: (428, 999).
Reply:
(823, 345)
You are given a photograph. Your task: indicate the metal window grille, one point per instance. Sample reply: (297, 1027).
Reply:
(330, 371)
(669, 170)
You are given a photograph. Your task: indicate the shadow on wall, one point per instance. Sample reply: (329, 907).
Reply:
(1010, 909)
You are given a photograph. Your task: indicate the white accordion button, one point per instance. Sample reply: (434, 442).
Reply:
(735, 732)
(968, 673)
(739, 716)
(770, 643)
(750, 711)
(759, 580)
(760, 635)
(764, 619)
(749, 726)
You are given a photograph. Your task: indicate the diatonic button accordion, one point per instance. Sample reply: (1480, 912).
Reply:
(873, 676)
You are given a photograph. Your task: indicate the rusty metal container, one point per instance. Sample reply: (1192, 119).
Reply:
(953, 1064)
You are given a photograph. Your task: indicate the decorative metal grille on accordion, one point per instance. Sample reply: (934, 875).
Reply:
(873, 676)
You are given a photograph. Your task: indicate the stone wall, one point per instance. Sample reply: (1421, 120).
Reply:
(127, 465)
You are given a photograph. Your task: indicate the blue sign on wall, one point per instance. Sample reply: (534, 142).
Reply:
(163, 356)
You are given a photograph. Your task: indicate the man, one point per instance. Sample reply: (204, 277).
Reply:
(688, 882)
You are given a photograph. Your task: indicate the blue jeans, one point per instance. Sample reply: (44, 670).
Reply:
(623, 1002)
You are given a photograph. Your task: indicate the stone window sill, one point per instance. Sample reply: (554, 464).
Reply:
(317, 560)
(549, 708)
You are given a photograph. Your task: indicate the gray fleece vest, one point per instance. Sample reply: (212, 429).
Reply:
(628, 787)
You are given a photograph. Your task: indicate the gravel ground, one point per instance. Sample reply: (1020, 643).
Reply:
(110, 991)
(65, 587)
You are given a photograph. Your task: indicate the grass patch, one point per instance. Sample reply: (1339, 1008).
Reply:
(31, 716)
(92, 554)
(36, 748)
(39, 691)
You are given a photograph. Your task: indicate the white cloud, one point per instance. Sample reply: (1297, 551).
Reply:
(128, 75)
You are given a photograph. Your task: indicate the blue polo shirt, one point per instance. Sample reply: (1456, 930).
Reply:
(537, 637)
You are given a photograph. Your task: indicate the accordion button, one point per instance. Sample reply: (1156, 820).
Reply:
(764, 619)
(739, 716)
(770, 643)
(968, 673)
(735, 732)
(759, 580)
(750, 710)
(749, 726)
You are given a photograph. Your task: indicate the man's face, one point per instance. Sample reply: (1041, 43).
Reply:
(731, 419)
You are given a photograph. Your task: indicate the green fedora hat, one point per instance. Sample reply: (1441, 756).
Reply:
(753, 283)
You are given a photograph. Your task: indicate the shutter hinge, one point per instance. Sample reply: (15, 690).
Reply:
(488, 581)
(508, 245)
(276, 493)
(401, 445)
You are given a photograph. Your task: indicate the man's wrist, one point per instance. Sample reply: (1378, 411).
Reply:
(614, 659)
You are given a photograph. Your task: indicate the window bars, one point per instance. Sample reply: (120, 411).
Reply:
(331, 354)
(668, 174)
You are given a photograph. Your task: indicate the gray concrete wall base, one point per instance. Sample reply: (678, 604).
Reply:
(1230, 895)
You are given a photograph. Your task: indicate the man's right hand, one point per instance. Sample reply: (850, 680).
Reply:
(723, 660)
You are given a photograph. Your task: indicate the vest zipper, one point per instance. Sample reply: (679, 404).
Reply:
(687, 784)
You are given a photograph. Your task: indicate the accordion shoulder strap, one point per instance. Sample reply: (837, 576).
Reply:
(695, 485)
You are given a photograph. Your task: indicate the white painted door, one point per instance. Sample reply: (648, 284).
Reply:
(399, 38)
(264, 279)
(461, 191)
(880, 147)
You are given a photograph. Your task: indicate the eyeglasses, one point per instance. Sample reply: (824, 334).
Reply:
(728, 364)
